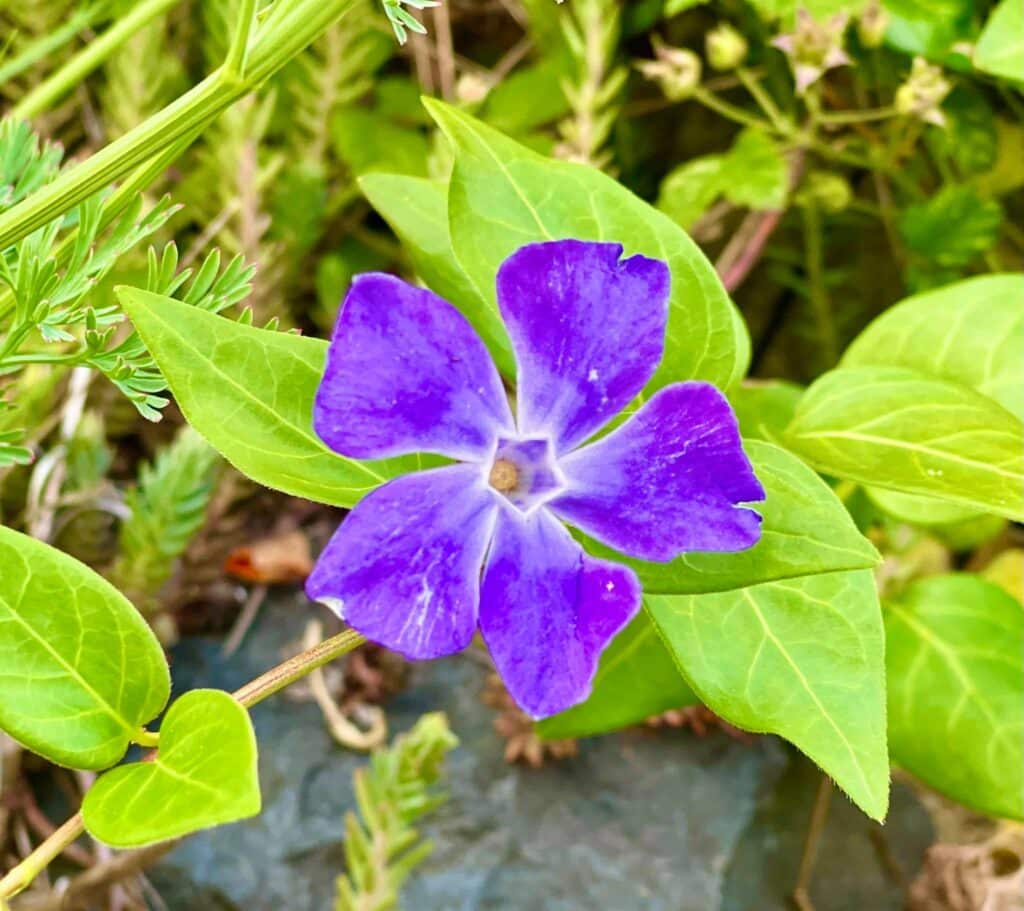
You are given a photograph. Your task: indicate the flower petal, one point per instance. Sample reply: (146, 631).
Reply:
(667, 481)
(404, 567)
(547, 610)
(407, 373)
(588, 330)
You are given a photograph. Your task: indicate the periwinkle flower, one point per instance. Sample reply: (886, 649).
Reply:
(424, 560)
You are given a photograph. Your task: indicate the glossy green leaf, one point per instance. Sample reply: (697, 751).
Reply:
(925, 511)
(502, 196)
(1000, 49)
(903, 430)
(637, 678)
(80, 670)
(204, 775)
(803, 659)
(764, 408)
(754, 172)
(417, 210)
(368, 141)
(970, 332)
(250, 393)
(689, 190)
(806, 530)
(956, 690)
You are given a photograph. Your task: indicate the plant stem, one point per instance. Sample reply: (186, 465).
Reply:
(767, 104)
(51, 90)
(255, 691)
(22, 875)
(814, 259)
(727, 110)
(843, 117)
(296, 25)
(298, 667)
(238, 53)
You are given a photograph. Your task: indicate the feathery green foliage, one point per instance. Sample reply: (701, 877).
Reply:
(397, 788)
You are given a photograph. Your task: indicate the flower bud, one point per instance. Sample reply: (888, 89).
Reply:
(922, 94)
(872, 24)
(813, 47)
(726, 48)
(471, 88)
(676, 70)
(828, 190)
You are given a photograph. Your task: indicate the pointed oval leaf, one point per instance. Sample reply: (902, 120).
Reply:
(956, 690)
(902, 430)
(1000, 49)
(803, 659)
(970, 332)
(503, 195)
(250, 393)
(203, 775)
(80, 670)
(637, 678)
(806, 530)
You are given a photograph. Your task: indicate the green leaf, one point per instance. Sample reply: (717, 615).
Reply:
(250, 393)
(204, 775)
(1000, 49)
(956, 688)
(81, 670)
(502, 196)
(903, 430)
(764, 408)
(368, 141)
(971, 332)
(754, 172)
(417, 210)
(530, 96)
(637, 678)
(806, 530)
(949, 231)
(925, 511)
(802, 659)
(690, 189)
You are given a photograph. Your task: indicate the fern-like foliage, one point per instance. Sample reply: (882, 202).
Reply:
(592, 30)
(25, 162)
(166, 508)
(399, 787)
(402, 21)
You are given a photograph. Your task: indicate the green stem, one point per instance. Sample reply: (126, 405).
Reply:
(21, 876)
(837, 118)
(238, 53)
(767, 104)
(47, 44)
(814, 259)
(729, 111)
(297, 26)
(51, 90)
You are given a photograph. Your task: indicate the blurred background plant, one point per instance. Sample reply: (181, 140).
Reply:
(830, 158)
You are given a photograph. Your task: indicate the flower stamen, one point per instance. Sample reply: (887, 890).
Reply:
(504, 476)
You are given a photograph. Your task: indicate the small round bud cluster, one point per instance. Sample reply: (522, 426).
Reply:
(924, 91)
(676, 70)
(725, 47)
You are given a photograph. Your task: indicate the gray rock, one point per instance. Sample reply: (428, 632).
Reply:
(644, 820)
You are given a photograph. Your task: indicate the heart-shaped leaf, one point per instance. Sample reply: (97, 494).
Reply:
(250, 393)
(80, 670)
(203, 775)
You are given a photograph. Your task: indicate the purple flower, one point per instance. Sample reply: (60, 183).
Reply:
(428, 557)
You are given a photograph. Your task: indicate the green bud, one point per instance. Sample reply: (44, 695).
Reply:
(922, 94)
(676, 70)
(725, 47)
(872, 24)
(829, 190)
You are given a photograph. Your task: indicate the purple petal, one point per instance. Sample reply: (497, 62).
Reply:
(667, 481)
(588, 331)
(404, 567)
(547, 611)
(407, 373)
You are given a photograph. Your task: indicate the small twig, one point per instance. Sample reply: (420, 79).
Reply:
(445, 51)
(245, 619)
(819, 813)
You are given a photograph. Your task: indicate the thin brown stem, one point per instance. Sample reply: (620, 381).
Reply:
(819, 814)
